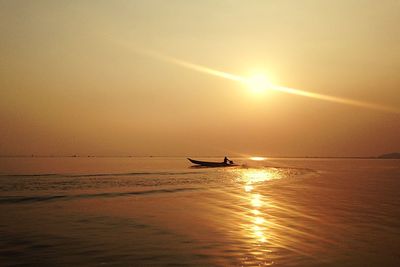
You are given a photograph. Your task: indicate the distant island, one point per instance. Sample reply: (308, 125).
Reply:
(394, 155)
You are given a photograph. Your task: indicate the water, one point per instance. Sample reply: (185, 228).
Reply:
(159, 211)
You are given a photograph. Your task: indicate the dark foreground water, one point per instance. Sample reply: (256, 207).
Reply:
(159, 211)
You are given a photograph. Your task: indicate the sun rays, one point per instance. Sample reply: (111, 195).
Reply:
(259, 83)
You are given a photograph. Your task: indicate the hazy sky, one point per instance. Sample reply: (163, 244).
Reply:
(73, 79)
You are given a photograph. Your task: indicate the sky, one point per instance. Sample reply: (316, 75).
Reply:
(103, 77)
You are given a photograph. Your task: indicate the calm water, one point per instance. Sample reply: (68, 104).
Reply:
(159, 211)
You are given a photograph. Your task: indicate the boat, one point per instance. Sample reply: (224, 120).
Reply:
(211, 164)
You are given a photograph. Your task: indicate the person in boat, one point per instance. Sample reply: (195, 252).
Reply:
(227, 161)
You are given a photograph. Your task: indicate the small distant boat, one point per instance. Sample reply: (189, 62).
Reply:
(211, 164)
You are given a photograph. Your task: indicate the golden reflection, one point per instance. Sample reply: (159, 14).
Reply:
(259, 220)
(259, 175)
(267, 223)
(255, 201)
(256, 212)
(248, 188)
(257, 158)
(257, 224)
(259, 233)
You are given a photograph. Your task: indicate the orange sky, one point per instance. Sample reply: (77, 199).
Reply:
(74, 78)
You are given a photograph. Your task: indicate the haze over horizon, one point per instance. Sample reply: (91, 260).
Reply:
(73, 82)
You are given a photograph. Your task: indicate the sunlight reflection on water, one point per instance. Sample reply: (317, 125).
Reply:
(268, 220)
(257, 223)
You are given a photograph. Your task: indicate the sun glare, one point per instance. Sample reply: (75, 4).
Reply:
(257, 158)
(258, 83)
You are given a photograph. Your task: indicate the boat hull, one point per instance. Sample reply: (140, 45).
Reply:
(210, 164)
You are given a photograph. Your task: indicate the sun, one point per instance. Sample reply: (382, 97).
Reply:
(258, 83)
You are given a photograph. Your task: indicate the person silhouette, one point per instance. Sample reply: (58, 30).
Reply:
(227, 161)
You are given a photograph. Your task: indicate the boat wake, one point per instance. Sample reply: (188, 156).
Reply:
(32, 199)
(96, 174)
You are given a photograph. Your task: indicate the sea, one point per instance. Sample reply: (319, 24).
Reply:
(161, 211)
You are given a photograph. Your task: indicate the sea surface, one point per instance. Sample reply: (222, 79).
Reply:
(129, 211)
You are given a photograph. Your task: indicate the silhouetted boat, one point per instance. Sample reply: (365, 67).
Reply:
(211, 164)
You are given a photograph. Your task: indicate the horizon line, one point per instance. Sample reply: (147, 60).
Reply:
(178, 156)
